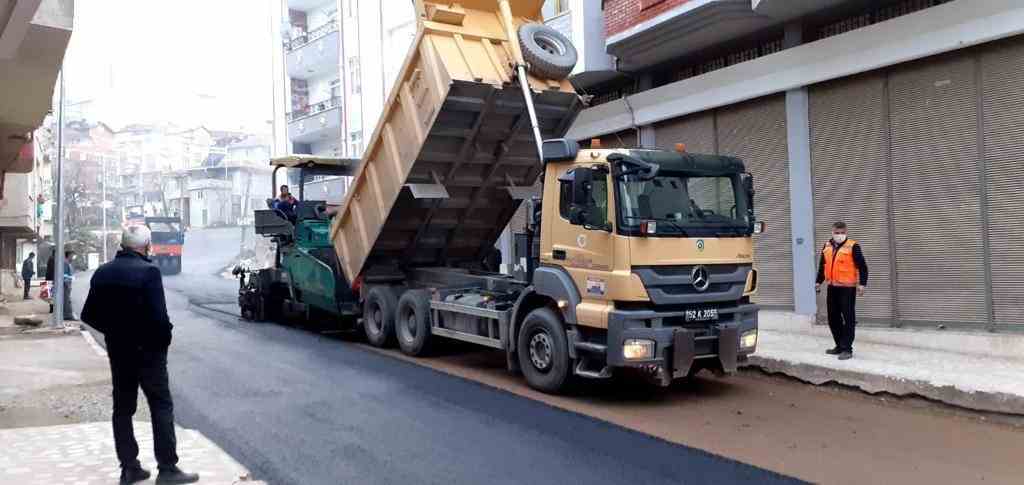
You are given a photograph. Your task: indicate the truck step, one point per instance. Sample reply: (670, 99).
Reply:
(582, 371)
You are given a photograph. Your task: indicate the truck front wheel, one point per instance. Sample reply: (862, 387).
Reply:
(544, 351)
(379, 315)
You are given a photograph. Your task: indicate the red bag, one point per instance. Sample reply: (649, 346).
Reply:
(44, 290)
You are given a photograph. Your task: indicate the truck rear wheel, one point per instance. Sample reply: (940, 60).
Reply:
(544, 351)
(379, 315)
(412, 325)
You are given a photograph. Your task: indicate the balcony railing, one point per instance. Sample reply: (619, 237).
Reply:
(311, 36)
(313, 109)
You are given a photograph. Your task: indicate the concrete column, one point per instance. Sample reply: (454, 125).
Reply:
(801, 199)
(645, 138)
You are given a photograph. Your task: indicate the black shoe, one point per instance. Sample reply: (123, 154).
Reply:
(174, 475)
(833, 351)
(846, 356)
(134, 474)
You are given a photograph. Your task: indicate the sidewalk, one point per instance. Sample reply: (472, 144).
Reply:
(979, 371)
(12, 306)
(55, 407)
(84, 454)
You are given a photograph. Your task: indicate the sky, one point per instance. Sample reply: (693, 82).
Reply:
(191, 62)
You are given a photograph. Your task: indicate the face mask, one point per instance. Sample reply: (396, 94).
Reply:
(839, 238)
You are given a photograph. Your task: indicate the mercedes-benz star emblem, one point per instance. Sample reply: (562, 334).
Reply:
(701, 279)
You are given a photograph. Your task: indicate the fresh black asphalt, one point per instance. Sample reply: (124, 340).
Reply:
(296, 407)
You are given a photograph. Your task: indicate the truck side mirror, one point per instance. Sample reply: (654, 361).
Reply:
(582, 186)
(748, 188)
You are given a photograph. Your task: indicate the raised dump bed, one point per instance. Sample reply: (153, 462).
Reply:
(432, 187)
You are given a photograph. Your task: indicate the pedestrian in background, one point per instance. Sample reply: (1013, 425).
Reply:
(50, 268)
(28, 270)
(126, 303)
(843, 268)
(69, 277)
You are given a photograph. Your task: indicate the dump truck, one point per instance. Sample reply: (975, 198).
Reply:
(643, 261)
(167, 244)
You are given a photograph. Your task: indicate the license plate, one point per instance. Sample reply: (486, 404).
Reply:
(702, 315)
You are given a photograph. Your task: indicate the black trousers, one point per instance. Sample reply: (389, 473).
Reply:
(132, 367)
(28, 285)
(842, 316)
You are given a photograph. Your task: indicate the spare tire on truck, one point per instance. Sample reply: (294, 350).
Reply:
(547, 52)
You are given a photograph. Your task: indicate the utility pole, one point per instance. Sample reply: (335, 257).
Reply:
(103, 172)
(58, 223)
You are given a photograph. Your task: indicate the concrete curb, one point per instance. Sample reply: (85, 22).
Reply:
(100, 351)
(873, 384)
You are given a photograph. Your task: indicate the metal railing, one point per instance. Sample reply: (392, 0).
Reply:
(313, 109)
(311, 36)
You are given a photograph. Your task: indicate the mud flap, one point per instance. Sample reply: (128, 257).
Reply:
(683, 351)
(728, 348)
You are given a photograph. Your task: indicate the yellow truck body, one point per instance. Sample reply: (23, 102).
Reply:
(455, 125)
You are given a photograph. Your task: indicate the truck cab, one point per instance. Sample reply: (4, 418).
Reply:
(650, 256)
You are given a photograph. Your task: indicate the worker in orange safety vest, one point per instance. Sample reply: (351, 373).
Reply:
(843, 268)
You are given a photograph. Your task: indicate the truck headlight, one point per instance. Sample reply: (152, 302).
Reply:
(638, 349)
(748, 340)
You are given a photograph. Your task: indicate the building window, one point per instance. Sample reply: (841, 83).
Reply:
(335, 88)
(645, 4)
(874, 16)
(356, 143)
(355, 77)
(554, 8)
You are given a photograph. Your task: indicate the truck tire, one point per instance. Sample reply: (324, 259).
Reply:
(547, 52)
(544, 351)
(379, 316)
(174, 266)
(413, 323)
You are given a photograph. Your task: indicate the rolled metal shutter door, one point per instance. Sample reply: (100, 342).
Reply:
(849, 163)
(696, 131)
(1003, 101)
(755, 131)
(936, 188)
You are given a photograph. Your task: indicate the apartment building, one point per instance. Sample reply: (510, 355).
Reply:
(335, 67)
(33, 38)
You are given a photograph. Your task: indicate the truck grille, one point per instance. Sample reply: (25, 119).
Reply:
(673, 285)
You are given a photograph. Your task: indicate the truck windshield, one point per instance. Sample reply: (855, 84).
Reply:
(681, 205)
(164, 227)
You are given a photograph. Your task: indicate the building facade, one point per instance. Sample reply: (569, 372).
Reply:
(899, 117)
(336, 61)
(33, 38)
